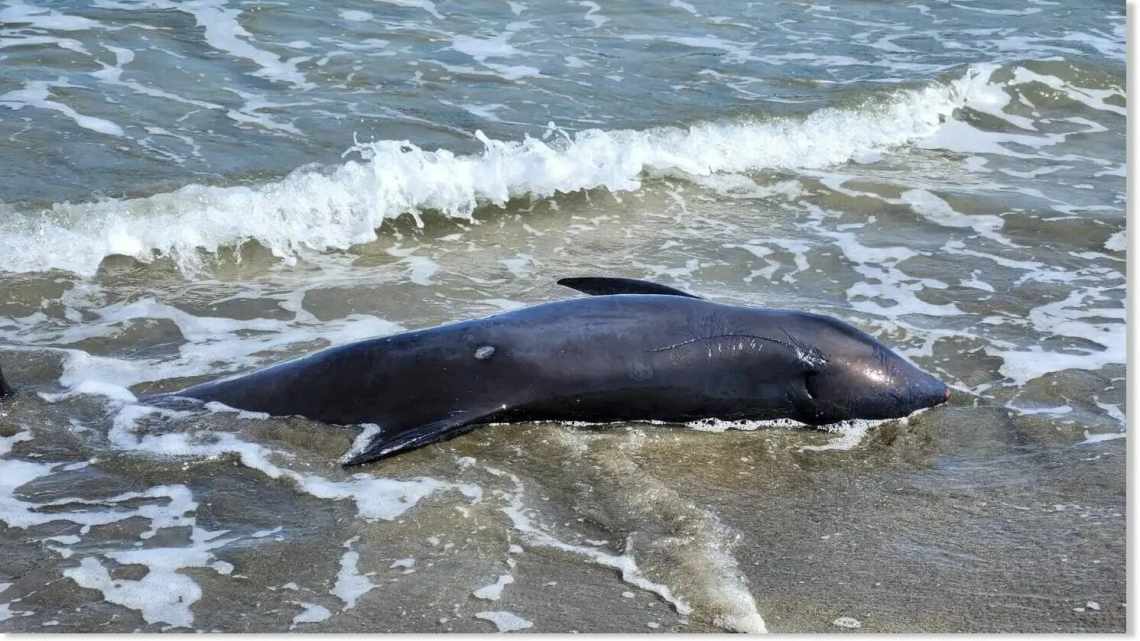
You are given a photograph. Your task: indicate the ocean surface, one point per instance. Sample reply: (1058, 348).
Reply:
(192, 189)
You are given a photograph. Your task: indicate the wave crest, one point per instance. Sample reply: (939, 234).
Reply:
(335, 208)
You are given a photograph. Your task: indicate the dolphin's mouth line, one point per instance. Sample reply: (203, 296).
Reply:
(809, 356)
(691, 341)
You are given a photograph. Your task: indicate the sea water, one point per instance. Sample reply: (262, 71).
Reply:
(191, 190)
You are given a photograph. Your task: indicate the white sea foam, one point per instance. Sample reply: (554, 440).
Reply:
(223, 31)
(940, 212)
(719, 588)
(1091, 98)
(1059, 410)
(212, 343)
(850, 435)
(1100, 438)
(881, 265)
(504, 621)
(318, 210)
(311, 613)
(22, 40)
(1117, 242)
(37, 93)
(717, 425)
(350, 584)
(592, 14)
(376, 498)
(624, 563)
(163, 594)
(426, 5)
(482, 48)
(737, 51)
(1077, 316)
(355, 15)
(1114, 412)
(6, 611)
(18, 11)
(113, 75)
(680, 4)
(496, 47)
(493, 591)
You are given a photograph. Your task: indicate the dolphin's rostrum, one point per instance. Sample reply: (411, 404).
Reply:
(632, 351)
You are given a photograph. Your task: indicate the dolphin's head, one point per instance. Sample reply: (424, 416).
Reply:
(855, 376)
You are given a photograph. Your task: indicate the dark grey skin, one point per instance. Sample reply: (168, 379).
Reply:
(661, 354)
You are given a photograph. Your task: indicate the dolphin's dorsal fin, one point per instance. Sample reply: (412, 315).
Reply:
(4, 389)
(596, 286)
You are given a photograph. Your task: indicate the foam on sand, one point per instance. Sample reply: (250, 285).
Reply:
(533, 534)
(494, 591)
(163, 594)
(376, 498)
(350, 584)
(6, 611)
(1100, 438)
(504, 621)
(312, 613)
(718, 587)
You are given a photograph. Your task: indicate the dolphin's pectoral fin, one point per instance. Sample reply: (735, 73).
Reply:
(802, 398)
(386, 444)
(595, 286)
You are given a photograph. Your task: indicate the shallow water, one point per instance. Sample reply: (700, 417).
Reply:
(197, 189)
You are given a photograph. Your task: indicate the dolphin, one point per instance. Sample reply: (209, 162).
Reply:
(633, 350)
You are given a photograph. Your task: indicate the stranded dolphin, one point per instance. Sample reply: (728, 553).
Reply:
(634, 350)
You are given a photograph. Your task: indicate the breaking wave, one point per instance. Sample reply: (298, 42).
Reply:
(335, 208)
